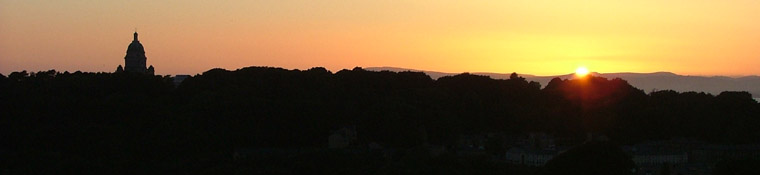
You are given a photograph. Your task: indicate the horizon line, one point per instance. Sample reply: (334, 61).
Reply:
(416, 70)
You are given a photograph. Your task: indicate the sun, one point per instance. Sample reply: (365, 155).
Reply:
(581, 71)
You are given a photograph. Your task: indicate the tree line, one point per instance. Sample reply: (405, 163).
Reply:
(125, 120)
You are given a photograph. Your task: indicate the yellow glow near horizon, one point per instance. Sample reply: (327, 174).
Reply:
(539, 37)
(581, 71)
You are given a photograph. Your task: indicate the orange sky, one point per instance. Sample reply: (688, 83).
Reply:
(693, 37)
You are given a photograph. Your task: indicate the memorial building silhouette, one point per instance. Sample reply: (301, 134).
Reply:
(135, 59)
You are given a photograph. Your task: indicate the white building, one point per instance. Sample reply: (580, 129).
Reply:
(673, 158)
(530, 157)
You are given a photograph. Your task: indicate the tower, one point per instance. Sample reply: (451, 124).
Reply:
(135, 59)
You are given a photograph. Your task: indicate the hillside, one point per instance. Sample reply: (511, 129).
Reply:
(645, 81)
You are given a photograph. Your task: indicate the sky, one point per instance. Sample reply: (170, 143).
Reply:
(690, 37)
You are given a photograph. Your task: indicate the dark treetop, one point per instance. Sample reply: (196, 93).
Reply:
(134, 123)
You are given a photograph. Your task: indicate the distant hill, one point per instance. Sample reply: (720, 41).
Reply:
(645, 81)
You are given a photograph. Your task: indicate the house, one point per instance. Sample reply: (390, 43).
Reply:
(529, 156)
(715, 153)
(471, 145)
(540, 140)
(243, 153)
(342, 138)
(651, 157)
(179, 78)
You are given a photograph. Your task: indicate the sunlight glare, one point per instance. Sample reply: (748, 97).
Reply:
(581, 71)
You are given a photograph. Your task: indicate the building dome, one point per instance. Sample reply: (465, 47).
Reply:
(135, 46)
(135, 59)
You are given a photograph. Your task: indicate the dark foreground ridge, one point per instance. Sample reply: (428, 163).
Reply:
(645, 81)
(261, 120)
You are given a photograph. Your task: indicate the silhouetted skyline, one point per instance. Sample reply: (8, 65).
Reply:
(525, 36)
(645, 81)
(265, 120)
(300, 87)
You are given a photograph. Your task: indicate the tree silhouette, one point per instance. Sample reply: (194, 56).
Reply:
(591, 158)
(128, 123)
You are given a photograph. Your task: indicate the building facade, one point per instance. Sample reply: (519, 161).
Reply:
(135, 60)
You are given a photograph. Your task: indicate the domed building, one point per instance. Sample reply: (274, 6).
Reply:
(135, 59)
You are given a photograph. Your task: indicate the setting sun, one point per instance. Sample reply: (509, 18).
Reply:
(581, 71)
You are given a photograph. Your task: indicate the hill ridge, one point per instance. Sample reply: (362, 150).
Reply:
(660, 80)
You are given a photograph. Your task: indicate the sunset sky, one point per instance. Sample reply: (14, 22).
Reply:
(692, 37)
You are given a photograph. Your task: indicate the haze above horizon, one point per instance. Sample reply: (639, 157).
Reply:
(525, 36)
